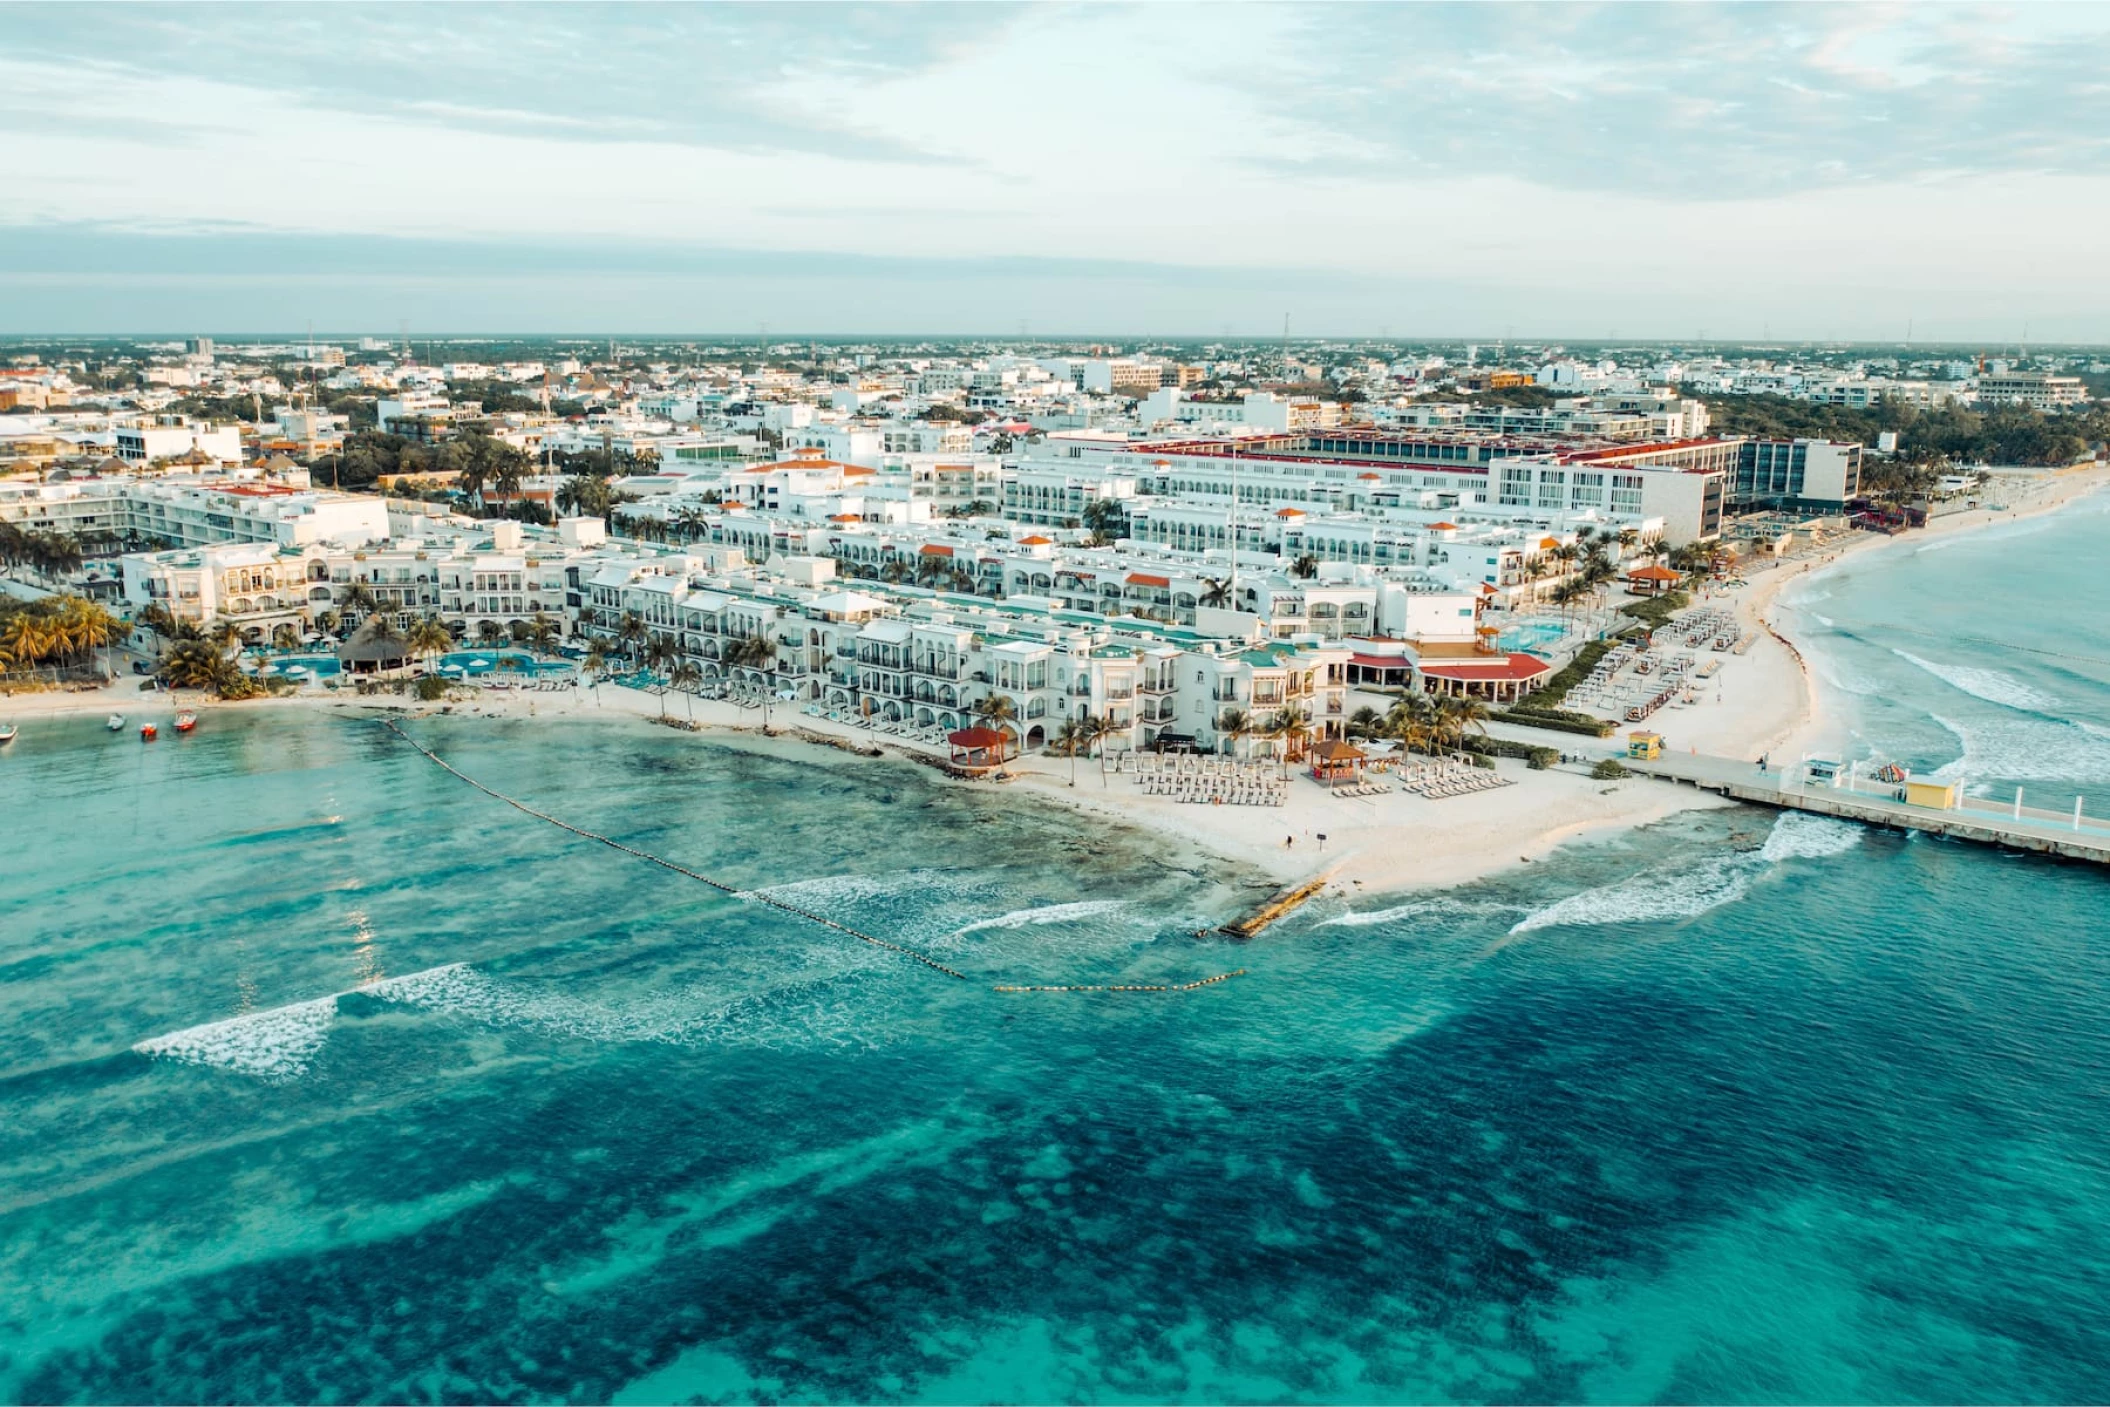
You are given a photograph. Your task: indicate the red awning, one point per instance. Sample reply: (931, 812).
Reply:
(1381, 661)
(1507, 668)
(1140, 579)
(975, 739)
(932, 549)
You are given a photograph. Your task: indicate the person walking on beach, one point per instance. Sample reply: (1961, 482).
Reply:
(1289, 842)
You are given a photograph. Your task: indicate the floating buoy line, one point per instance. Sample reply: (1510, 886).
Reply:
(760, 898)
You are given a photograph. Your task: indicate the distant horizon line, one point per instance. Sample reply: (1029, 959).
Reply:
(1017, 339)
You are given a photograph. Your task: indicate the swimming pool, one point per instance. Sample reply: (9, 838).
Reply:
(318, 666)
(477, 662)
(1538, 635)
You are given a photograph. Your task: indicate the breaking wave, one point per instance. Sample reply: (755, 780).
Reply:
(1691, 889)
(1800, 835)
(2028, 750)
(1045, 914)
(1988, 684)
(276, 1045)
(1440, 908)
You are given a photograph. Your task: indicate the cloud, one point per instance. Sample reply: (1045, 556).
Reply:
(1698, 101)
(702, 74)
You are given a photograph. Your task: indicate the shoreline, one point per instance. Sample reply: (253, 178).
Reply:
(1387, 844)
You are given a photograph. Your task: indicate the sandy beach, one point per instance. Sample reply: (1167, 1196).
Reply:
(1760, 702)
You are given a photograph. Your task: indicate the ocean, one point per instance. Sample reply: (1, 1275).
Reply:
(324, 1077)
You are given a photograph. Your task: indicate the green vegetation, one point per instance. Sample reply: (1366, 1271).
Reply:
(1610, 770)
(1549, 695)
(1556, 721)
(2000, 435)
(1657, 610)
(54, 632)
(1536, 756)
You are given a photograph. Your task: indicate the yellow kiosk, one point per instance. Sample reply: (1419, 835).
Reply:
(1644, 747)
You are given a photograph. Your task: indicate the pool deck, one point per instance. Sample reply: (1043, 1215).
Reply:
(1989, 823)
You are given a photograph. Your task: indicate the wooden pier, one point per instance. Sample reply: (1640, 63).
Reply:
(1988, 822)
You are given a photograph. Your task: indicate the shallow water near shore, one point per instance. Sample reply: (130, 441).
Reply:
(1984, 656)
(328, 1078)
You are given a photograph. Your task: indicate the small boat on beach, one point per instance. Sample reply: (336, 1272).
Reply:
(148, 732)
(186, 721)
(116, 723)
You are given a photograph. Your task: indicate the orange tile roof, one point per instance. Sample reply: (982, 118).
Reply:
(1144, 579)
(934, 549)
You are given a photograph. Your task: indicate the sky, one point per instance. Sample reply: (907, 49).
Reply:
(1639, 171)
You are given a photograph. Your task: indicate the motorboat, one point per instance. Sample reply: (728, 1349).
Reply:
(186, 721)
(116, 723)
(7, 733)
(148, 732)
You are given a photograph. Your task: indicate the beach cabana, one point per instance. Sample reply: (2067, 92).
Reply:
(1337, 761)
(364, 654)
(977, 749)
(1652, 579)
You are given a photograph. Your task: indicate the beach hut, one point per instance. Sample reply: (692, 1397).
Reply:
(977, 749)
(1335, 761)
(366, 654)
(1649, 580)
(1938, 796)
(1644, 746)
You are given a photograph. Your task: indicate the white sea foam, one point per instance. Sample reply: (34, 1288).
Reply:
(2028, 750)
(1988, 684)
(834, 892)
(1046, 914)
(1800, 835)
(1440, 908)
(801, 1011)
(1690, 889)
(275, 1045)
(1655, 894)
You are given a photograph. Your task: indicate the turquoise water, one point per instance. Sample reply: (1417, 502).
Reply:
(1540, 635)
(474, 662)
(319, 665)
(328, 1078)
(1984, 656)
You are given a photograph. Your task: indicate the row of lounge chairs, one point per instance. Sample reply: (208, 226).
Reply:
(1217, 790)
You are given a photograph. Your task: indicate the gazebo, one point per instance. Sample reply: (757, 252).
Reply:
(363, 654)
(1335, 761)
(977, 749)
(1651, 579)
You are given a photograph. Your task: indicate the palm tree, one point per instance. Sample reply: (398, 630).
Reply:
(1457, 715)
(490, 632)
(631, 632)
(1216, 592)
(1235, 726)
(542, 634)
(429, 637)
(285, 637)
(596, 665)
(1074, 733)
(194, 664)
(1292, 726)
(995, 712)
(686, 677)
(661, 651)
(1099, 728)
(1306, 566)
(358, 602)
(757, 652)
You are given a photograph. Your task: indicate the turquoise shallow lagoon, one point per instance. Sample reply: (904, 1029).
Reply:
(324, 1077)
